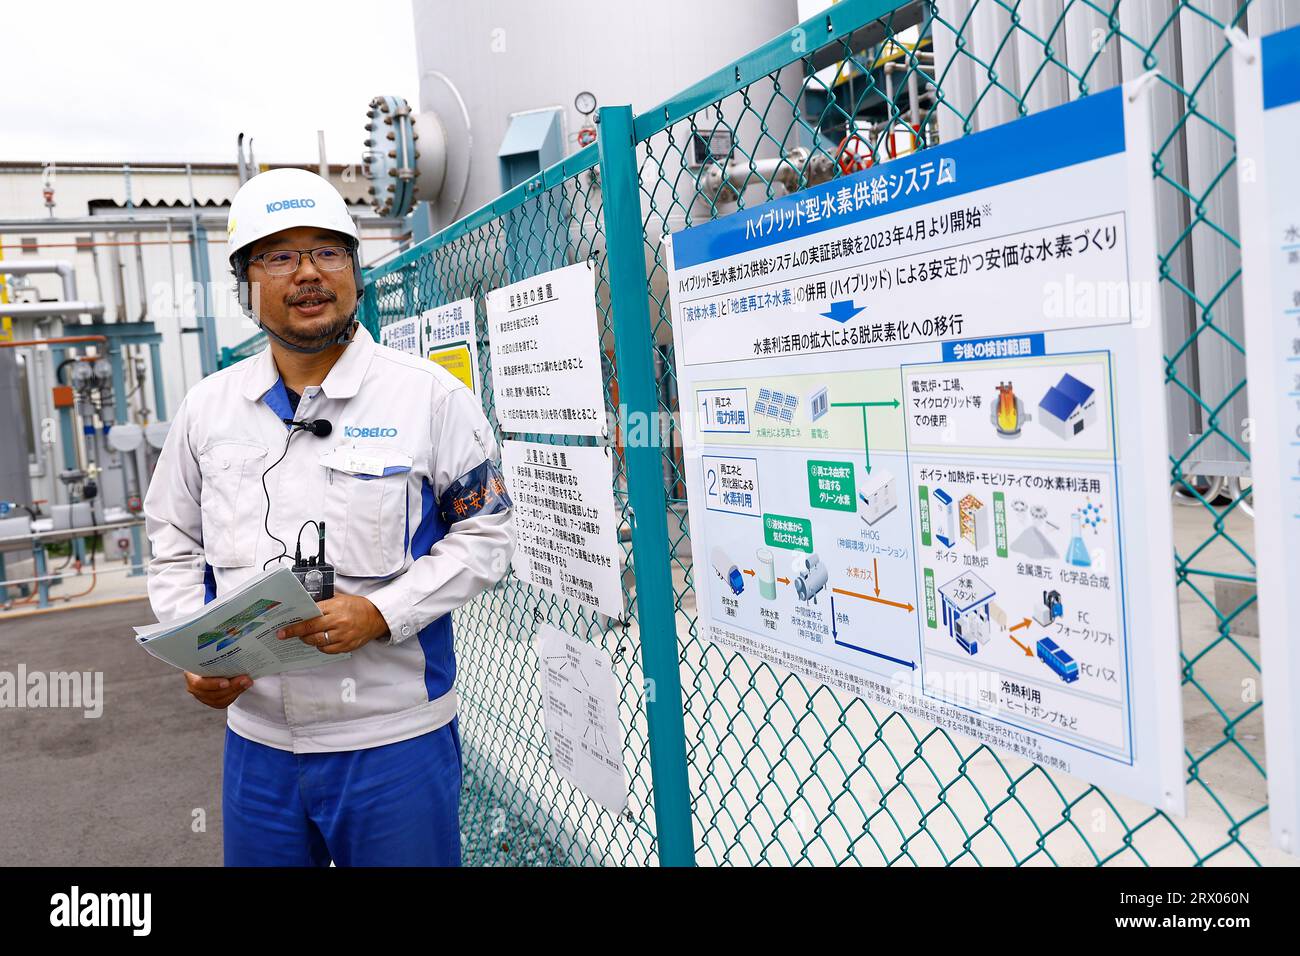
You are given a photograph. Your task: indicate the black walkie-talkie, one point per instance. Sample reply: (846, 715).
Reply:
(315, 576)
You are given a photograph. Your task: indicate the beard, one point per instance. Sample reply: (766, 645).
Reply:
(321, 332)
(317, 333)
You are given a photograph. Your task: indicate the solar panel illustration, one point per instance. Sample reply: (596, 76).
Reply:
(787, 413)
(777, 405)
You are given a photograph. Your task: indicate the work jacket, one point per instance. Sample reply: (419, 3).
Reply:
(417, 521)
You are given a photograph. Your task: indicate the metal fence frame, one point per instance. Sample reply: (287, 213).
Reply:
(729, 761)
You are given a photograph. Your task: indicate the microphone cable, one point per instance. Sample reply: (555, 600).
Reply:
(266, 517)
(321, 428)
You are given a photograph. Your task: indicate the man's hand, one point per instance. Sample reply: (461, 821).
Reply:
(346, 623)
(218, 692)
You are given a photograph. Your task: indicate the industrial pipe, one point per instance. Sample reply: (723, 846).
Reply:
(67, 272)
(785, 169)
(118, 281)
(55, 340)
(207, 169)
(41, 310)
(215, 221)
(93, 245)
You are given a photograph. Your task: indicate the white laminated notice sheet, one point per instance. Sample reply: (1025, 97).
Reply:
(544, 338)
(925, 441)
(403, 335)
(565, 521)
(447, 338)
(1266, 82)
(580, 708)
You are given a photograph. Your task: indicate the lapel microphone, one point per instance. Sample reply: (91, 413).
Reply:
(320, 427)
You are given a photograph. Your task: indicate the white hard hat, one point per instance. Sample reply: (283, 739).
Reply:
(282, 199)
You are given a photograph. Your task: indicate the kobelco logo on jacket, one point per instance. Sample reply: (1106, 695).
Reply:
(422, 525)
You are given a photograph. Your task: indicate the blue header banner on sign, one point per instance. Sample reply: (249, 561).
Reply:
(1003, 346)
(1026, 147)
(1281, 67)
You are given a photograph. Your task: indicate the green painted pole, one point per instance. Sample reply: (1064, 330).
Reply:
(639, 396)
(159, 391)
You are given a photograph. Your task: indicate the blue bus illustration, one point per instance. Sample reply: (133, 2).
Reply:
(1051, 654)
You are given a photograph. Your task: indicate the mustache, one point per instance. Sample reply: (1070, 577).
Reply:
(310, 292)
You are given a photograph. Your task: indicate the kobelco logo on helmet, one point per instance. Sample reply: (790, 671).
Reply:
(290, 204)
(280, 199)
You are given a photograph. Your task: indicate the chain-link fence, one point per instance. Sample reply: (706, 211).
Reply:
(514, 809)
(771, 768)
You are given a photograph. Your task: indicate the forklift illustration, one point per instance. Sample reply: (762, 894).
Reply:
(1051, 609)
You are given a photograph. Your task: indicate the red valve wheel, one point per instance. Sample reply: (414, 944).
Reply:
(854, 154)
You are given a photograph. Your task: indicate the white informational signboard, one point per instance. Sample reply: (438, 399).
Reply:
(403, 335)
(1266, 80)
(925, 441)
(565, 520)
(545, 346)
(580, 708)
(447, 338)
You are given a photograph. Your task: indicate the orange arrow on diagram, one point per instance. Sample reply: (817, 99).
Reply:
(784, 580)
(747, 571)
(1024, 623)
(878, 600)
(1028, 652)
(875, 575)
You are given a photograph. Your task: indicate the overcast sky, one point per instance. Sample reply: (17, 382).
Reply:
(151, 80)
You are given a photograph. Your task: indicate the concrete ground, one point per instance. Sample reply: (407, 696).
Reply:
(139, 785)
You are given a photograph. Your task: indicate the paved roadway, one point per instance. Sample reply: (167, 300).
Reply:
(120, 789)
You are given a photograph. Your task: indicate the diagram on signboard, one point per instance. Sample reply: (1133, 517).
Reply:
(922, 525)
(1017, 556)
(814, 542)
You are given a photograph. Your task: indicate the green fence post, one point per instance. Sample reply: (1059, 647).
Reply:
(368, 315)
(638, 396)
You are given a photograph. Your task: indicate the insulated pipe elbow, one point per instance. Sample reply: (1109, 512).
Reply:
(65, 270)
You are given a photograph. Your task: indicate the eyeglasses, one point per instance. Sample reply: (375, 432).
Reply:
(283, 262)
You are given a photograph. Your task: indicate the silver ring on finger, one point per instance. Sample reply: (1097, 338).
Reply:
(325, 639)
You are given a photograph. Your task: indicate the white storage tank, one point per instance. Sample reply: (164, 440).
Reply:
(504, 78)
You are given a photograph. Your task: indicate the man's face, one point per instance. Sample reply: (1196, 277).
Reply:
(311, 305)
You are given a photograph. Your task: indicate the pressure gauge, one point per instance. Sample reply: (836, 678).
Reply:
(585, 103)
(83, 376)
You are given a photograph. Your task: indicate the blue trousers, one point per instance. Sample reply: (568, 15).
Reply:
(395, 805)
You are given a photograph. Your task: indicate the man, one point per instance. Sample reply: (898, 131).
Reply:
(357, 760)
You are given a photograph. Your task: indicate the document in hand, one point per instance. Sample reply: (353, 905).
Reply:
(236, 634)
